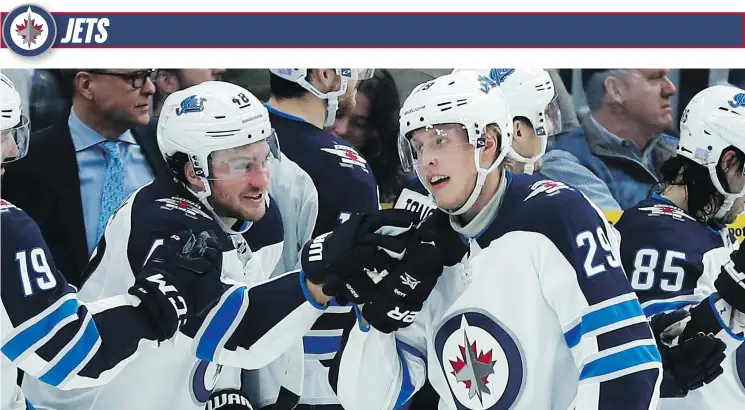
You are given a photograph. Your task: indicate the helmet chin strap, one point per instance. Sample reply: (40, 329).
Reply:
(481, 175)
(202, 197)
(729, 198)
(331, 107)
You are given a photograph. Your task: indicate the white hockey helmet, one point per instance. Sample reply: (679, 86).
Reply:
(466, 98)
(299, 76)
(713, 121)
(14, 125)
(209, 117)
(530, 93)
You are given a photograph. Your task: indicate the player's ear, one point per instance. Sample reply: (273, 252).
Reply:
(491, 145)
(192, 178)
(324, 79)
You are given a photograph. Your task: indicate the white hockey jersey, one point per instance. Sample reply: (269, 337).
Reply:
(539, 315)
(46, 331)
(672, 261)
(256, 321)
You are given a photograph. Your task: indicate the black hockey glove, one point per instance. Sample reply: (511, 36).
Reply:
(349, 260)
(228, 399)
(400, 296)
(731, 281)
(180, 280)
(689, 364)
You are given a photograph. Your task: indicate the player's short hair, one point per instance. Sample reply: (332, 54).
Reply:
(282, 89)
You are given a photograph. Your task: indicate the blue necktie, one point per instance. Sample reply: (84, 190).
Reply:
(113, 183)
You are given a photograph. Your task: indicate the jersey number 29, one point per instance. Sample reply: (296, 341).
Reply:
(45, 279)
(590, 240)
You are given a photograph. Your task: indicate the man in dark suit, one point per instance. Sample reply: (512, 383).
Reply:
(80, 169)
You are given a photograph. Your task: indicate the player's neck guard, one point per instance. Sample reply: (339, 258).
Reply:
(484, 218)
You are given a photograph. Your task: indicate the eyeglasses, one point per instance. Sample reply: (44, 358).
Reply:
(136, 79)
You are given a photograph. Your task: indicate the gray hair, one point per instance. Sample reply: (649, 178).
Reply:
(595, 89)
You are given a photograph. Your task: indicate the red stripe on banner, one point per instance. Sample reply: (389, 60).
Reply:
(525, 13)
(96, 46)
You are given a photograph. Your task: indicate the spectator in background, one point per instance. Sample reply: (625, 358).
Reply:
(49, 100)
(372, 128)
(80, 169)
(170, 80)
(614, 157)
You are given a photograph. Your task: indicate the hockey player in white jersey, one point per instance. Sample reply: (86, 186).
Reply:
(217, 139)
(47, 332)
(685, 264)
(539, 315)
(532, 102)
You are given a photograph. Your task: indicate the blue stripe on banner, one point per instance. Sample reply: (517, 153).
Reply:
(655, 308)
(408, 29)
(219, 325)
(407, 387)
(73, 357)
(321, 344)
(16, 346)
(620, 360)
(601, 318)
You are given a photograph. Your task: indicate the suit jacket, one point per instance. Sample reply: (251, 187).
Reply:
(46, 185)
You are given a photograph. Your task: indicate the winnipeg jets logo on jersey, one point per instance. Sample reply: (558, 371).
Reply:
(550, 188)
(349, 156)
(189, 208)
(667, 210)
(482, 362)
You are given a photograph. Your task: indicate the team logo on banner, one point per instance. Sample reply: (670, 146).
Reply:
(481, 360)
(29, 30)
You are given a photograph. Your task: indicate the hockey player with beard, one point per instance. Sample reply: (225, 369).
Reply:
(54, 338)
(684, 264)
(217, 139)
(538, 315)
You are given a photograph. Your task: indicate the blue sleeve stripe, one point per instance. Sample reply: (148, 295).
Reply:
(219, 325)
(27, 338)
(306, 293)
(601, 318)
(74, 357)
(660, 307)
(407, 387)
(719, 318)
(624, 359)
(321, 344)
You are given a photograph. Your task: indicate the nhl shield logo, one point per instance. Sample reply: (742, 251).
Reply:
(29, 30)
(482, 362)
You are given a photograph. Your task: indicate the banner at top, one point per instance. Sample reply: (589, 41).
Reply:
(30, 30)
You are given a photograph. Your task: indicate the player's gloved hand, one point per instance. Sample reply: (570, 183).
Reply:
(400, 296)
(180, 280)
(348, 260)
(228, 399)
(688, 364)
(731, 280)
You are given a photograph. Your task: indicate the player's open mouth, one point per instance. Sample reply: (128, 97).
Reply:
(437, 180)
(257, 197)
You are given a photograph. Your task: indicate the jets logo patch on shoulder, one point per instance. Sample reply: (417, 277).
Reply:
(482, 361)
(189, 208)
(548, 187)
(667, 210)
(348, 155)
